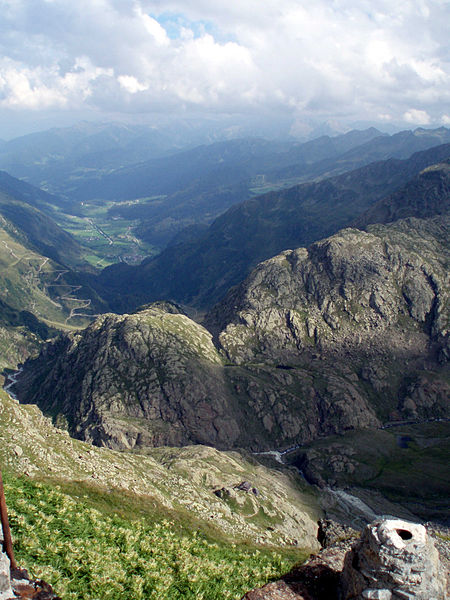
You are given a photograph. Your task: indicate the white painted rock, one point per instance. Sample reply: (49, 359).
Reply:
(5, 580)
(393, 560)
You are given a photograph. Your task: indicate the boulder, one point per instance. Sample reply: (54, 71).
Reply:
(393, 560)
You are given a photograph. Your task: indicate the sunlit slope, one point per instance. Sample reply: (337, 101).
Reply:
(22, 208)
(179, 482)
(32, 281)
(37, 294)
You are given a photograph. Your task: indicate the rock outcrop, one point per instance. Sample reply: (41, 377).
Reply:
(5, 578)
(370, 294)
(17, 584)
(149, 379)
(392, 560)
(364, 314)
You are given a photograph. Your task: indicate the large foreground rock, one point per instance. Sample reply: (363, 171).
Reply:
(393, 560)
(5, 580)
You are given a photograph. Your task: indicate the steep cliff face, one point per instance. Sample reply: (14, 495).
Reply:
(368, 310)
(149, 379)
(349, 333)
(354, 292)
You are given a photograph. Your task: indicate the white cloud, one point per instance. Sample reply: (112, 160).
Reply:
(24, 88)
(39, 89)
(350, 59)
(131, 84)
(152, 26)
(417, 117)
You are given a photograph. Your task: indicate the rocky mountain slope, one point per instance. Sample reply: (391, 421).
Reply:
(425, 195)
(343, 295)
(345, 334)
(200, 271)
(179, 483)
(149, 379)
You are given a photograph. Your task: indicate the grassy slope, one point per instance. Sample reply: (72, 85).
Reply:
(37, 296)
(90, 519)
(41, 232)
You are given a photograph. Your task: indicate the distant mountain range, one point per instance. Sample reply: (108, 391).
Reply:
(163, 187)
(58, 156)
(230, 161)
(399, 145)
(200, 270)
(197, 185)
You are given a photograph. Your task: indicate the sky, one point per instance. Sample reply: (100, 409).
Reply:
(344, 61)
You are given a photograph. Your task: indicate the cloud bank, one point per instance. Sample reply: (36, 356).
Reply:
(347, 59)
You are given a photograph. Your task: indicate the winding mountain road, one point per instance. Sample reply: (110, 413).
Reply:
(33, 278)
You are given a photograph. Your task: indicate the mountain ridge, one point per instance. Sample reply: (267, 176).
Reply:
(200, 271)
(315, 341)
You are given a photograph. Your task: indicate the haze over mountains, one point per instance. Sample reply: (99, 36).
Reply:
(192, 186)
(224, 309)
(201, 270)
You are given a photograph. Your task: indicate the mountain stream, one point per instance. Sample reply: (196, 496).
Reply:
(12, 380)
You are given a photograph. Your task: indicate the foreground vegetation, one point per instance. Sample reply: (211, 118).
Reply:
(99, 524)
(88, 553)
